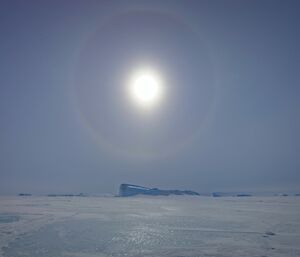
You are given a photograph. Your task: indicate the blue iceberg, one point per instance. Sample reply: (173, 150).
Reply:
(130, 190)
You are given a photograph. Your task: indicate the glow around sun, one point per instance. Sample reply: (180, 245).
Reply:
(145, 88)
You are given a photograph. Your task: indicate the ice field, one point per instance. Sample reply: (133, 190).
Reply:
(183, 226)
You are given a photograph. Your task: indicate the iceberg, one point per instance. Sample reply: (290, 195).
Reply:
(130, 190)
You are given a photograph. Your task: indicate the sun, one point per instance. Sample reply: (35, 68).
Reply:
(145, 88)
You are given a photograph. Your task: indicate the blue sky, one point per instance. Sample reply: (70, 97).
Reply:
(229, 121)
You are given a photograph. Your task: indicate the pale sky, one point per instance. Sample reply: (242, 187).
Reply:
(229, 118)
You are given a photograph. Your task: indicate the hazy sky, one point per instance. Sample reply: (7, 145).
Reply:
(229, 119)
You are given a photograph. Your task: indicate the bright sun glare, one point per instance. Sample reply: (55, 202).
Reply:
(145, 88)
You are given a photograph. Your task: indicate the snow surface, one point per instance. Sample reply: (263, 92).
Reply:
(177, 226)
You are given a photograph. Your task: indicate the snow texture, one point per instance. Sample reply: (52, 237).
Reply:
(177, 226)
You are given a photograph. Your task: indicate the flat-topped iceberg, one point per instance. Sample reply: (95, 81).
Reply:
(130, 190)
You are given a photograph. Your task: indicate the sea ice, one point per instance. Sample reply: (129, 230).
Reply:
(179, 226)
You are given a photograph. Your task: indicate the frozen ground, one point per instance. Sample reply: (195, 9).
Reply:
(149, 226)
